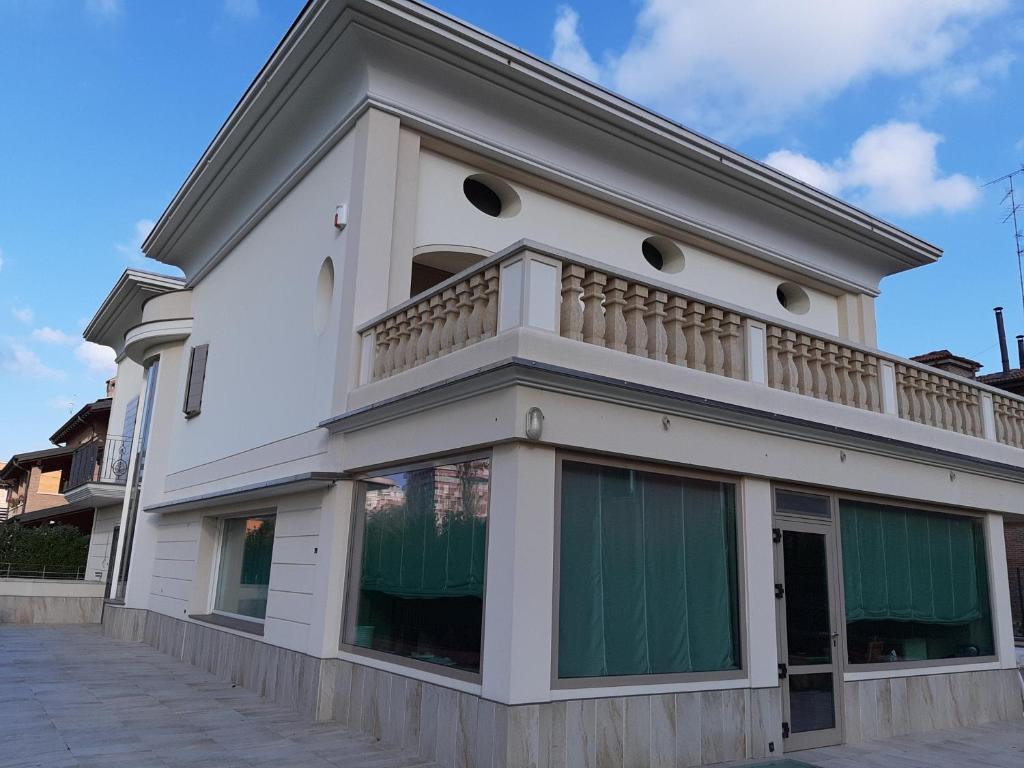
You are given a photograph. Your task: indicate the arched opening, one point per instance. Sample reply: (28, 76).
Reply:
(434, 267)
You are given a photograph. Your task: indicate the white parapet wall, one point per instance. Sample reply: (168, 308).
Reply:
(50, 601)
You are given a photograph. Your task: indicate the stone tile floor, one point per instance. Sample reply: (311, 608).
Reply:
(70, 697)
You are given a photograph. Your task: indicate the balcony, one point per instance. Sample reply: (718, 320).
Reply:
(99, 471)
(532, 303)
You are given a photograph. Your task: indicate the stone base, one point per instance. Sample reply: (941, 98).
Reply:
(50, 609)
(900, 706)
(458, 730)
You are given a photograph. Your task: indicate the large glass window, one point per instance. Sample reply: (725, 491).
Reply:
(648, 574)
(915, 584)
(243, 576)
(422, 544)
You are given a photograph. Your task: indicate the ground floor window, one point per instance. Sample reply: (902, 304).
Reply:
(647, 573)
(915, 584)
(418, 578)
(243, 571)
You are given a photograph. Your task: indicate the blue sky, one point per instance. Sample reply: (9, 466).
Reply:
(904, 107)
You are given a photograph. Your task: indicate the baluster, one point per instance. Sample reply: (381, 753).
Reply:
(465, 306)
(436, 326)
(845, 379)
(593, 311)
(654, 316)
(860, 390)
(774, 344)
(614, 320)
(789, 371)
(693, 325)
(636, 328)
(402, 352)
(675, 343)
(731, 346)
(491, 278)
(393, 360)
(451, 319)
(834, 392)
(954, 400)
(818, 379)
(571, 315)
(903, 393)
(382, 349)
(872, 383)
(945, 406)
(475, 325)
(802, 358)
(1000, 420)
(424, 324)
(924, 401)
(932, 388)
(1016, 430)
(972, 412)
(713, 353)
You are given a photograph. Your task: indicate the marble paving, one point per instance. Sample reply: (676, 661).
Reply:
(70, 697)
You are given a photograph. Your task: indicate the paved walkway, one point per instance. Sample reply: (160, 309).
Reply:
(70, 697)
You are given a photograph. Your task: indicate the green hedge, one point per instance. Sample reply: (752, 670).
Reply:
(60, 548)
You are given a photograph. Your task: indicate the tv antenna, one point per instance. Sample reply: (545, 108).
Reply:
(1010, 200)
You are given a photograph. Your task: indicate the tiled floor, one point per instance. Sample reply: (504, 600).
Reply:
(70, 697)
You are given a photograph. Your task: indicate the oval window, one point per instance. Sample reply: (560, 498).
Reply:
(490, 195)
(324, 294)
(793, 298)
(663, 254)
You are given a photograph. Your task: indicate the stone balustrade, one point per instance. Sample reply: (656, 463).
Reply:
(592, 304)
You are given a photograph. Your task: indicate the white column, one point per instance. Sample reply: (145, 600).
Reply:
(887, 386)
(530, 293)
(988, 417)
(520, 572)
(756, 350)
(331, 571)
(998, 579)
(759, 582)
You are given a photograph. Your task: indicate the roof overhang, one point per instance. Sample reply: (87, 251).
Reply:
(308, 481)
(414, 30)
(94, 408)
(122, 308)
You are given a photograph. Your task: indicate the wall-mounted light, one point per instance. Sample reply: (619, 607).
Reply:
(340, 217)
(534, 423)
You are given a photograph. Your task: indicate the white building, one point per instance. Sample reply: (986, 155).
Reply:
(517, 425)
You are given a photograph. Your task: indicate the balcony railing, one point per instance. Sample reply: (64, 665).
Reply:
(101, 461)
(591, 304)
(37, 571)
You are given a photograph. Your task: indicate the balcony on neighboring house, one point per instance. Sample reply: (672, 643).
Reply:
(552, 315)
(99, 471)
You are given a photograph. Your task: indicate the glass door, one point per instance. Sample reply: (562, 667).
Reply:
(809, 658)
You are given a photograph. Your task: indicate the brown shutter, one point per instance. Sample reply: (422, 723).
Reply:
(196, 377)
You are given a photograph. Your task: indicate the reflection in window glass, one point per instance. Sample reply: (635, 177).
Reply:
(421, 576)
(244, 574)
(647, 574)
(915, 584)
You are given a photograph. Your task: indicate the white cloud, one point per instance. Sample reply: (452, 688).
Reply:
(104, 8)
(569, 51)
(133, 248)
(19, 360)
(23, 315)
(98, 359)
(242, 9)
(49, 335)
(968, 81)
(743, 66)
(891, 168)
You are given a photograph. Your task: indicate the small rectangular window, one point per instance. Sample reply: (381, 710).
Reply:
(196, 377)
(418, 579)
(243, 577)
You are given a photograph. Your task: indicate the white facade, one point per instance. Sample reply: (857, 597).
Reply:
(298, 403)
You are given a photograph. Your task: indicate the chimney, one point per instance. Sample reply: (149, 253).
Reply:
(1002, 339)
(112, 383)
(1020, 351)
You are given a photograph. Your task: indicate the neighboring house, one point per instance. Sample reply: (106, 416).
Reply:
(514, 424)
(3, 495)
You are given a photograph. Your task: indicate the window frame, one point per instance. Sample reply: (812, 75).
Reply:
(836, 496)
(350, 603)
(219, 557)
(670, 678)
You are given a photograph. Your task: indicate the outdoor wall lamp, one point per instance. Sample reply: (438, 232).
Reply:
(534, 423)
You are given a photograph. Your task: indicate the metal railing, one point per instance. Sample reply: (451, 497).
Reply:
(36, 571)
(101, 461)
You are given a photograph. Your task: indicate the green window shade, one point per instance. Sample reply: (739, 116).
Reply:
(647, 574)
(912, 566)
(430, 541)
